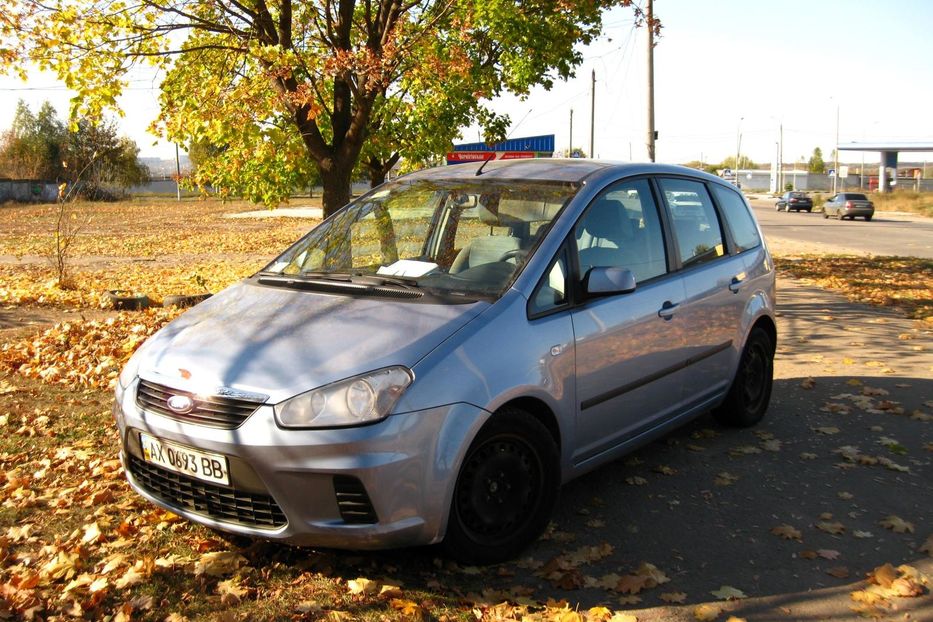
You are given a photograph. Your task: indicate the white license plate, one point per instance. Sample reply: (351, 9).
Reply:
(185, 460)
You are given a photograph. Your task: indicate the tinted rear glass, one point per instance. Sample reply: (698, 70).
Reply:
(856, 197)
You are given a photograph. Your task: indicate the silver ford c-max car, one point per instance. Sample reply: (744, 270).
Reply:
(432, 362)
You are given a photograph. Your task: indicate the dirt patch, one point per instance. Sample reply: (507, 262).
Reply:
(21, 321)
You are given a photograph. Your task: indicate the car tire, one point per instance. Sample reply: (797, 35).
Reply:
(809, 210)
(777, 207)
(124, 300)
(868, 219)
(748, 398)
(825, 213)
(183, 301)
(505, 491)
(839, 215)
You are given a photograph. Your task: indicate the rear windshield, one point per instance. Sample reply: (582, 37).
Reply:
(798, 195)
(856, 197)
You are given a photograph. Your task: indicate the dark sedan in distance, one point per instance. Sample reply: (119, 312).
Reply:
(795, 201)
(849, 205)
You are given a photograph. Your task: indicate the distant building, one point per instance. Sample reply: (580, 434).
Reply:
(510, 149)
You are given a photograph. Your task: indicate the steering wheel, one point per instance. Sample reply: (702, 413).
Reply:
(511, 254)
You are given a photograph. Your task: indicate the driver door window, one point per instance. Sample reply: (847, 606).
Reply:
(621, 228)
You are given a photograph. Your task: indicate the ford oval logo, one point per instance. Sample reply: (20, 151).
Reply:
(181, 404)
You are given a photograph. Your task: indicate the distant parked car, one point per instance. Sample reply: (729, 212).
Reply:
(849, 205)
(795, 201)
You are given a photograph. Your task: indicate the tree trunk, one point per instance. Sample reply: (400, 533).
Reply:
(377, 174)
(378, 170)
(336, 182)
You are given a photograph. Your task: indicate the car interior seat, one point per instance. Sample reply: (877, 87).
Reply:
(604, 235)
(489, 248)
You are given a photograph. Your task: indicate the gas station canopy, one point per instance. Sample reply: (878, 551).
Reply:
(889, 151)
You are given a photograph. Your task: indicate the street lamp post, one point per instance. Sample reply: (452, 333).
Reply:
(738, 148)
(836, 151)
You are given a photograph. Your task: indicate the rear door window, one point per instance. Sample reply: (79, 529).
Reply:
(694, 220)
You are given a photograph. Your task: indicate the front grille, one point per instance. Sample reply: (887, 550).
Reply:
(218, 502)
(216, 411)
(353, 502)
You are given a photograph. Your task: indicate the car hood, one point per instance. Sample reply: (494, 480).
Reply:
(282, 342)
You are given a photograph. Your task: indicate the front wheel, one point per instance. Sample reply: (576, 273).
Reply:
(825, 214)
(506, 490)
(750, 393)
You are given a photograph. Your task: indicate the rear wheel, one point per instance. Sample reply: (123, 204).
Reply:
(505, 491)
(868, 219)
(750, 393)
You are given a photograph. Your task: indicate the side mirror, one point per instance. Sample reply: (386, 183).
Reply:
(600, 281)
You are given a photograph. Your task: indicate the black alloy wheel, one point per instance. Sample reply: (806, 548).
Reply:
(505, 491)
(748, 398)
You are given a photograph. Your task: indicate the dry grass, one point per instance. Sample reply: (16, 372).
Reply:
(904, 201)
(76, 543)
(151, 228)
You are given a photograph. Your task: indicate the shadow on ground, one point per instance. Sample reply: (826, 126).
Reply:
(834, 462)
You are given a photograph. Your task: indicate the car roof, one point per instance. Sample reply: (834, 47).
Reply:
(550, 169)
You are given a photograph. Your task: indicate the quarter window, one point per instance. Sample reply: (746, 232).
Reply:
(699, 236)
(552, 290)
(740, 221)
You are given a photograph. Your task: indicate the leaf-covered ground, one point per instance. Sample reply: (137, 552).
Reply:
(828, 490)
(905, 283)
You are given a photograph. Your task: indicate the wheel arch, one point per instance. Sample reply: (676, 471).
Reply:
(539, 410)
(766, 323)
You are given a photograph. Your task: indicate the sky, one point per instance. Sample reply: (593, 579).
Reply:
(728, 74)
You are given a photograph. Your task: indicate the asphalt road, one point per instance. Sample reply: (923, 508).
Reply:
(889, 233)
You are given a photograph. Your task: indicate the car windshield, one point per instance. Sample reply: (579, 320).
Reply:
(452, 237)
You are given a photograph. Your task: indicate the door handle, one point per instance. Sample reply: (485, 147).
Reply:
(736, 284)
(666, 312)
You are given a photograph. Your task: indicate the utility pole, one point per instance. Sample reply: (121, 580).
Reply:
(592, 113)
(649, 10)
(781, 158)
(570, 148)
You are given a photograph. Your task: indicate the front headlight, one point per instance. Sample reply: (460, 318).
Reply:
(354, 401)
(128, 374)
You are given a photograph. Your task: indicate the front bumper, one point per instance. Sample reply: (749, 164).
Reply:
(284, 484)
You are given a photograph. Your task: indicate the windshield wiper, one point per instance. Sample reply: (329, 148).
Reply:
(342, 283)
(383, 279)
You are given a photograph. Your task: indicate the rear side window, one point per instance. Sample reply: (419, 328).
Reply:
(740, 220)
(699, 236)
